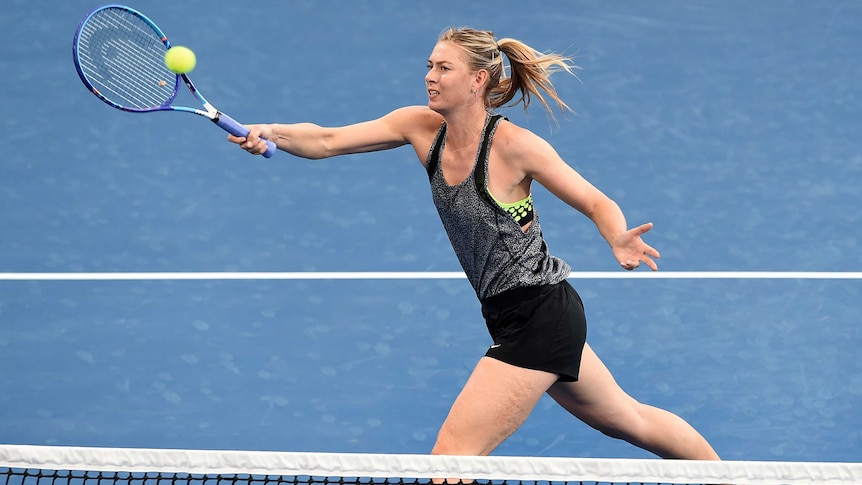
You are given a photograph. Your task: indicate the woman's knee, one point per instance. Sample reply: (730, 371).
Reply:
(625, 423)
(616, 430)
(446, 444)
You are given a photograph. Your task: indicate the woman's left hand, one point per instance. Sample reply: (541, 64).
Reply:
(630, 250)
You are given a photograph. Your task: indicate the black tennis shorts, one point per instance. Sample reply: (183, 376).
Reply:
(538, 327)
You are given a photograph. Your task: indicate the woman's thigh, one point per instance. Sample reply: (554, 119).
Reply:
(596, 398)
(495, 401)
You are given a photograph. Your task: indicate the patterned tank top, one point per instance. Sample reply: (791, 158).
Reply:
(494, 251)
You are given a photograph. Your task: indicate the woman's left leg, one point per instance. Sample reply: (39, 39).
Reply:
(598, 400)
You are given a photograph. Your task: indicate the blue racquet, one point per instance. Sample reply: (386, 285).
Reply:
(120, 56)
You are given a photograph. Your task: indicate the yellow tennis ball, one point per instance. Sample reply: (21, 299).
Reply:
(180, 59)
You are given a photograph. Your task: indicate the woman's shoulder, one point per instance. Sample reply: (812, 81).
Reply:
(514, 136)
(418, 125)
(417, 115)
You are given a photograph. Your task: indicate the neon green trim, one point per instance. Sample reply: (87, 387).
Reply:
(518, 210)
(506, 206)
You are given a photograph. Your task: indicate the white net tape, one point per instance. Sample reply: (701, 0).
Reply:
(530, 469)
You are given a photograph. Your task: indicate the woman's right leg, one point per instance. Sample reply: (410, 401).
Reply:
(597, 400)
(496, 399)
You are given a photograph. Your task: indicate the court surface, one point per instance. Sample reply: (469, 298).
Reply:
(731, 125)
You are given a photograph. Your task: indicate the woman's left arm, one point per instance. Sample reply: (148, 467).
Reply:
(540, 162)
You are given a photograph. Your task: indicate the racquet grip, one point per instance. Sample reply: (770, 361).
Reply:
(234, 128)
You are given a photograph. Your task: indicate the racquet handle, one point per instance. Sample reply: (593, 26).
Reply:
(234, 128)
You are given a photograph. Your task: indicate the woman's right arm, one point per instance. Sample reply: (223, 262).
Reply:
(308, 140)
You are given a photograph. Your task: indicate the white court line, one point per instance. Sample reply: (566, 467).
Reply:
(424, 275)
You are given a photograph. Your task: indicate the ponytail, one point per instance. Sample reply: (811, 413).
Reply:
(529, 70)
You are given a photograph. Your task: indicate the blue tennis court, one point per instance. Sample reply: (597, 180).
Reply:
(732, 126)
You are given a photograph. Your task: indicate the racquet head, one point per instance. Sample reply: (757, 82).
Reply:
(120, 56)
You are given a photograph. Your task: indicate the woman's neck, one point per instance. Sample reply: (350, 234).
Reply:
(464, 131)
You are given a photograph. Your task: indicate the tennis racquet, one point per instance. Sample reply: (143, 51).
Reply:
(120, 56)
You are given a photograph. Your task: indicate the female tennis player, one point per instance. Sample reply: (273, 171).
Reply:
(481, 168)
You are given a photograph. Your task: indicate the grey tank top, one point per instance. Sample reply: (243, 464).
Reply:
(494, 252)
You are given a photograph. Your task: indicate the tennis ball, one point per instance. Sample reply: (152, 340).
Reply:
(180, 59)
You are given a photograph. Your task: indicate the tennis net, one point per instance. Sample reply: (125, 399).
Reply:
(55, 465)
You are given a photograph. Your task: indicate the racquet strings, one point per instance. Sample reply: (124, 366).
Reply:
(123, 58)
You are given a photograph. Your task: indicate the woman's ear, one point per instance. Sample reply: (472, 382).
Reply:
(480, 79)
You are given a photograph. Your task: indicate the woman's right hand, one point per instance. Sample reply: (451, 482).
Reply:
(255, 142)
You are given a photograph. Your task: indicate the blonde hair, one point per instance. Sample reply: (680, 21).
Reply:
(529, 70)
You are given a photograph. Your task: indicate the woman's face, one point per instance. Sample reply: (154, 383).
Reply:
(449, 80)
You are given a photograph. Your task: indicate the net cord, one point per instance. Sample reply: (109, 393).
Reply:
(424, 466)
